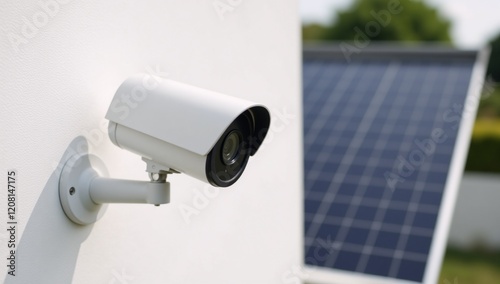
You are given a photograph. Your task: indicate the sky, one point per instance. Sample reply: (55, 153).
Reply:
(474, 22)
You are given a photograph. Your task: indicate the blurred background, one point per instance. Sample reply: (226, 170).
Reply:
(473, 254)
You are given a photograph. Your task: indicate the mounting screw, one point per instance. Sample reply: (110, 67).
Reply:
(155, 176)
(72, 191)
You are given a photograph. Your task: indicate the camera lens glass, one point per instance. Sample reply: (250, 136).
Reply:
(229, 156)
(230, 148)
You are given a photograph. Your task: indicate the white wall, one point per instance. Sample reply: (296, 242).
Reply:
(475, 221)
(56, 84)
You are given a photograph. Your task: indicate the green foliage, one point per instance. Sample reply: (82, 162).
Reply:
(398, 20)
(483, 155)
(484, 149)
(489, 106)
(313, 32)
(471, 267)
(494, 65)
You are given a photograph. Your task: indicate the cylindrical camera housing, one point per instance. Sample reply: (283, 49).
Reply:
(204, 134)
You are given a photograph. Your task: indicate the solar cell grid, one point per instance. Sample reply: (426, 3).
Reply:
(362, 121)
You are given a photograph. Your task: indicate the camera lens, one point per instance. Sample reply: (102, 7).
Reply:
(229, 156)
(230, 148)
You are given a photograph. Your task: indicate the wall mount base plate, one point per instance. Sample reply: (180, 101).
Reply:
(74, 188)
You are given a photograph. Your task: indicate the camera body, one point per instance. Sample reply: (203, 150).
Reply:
(205, 134)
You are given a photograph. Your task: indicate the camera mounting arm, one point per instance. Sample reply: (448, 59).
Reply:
(85, 190)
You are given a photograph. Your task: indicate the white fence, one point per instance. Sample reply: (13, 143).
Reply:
(476, 220)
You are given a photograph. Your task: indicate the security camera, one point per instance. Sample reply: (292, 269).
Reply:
(207, 135)
(175, 128)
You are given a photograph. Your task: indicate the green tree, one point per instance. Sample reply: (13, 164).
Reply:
(494, 65)
(389, 20)
(313, 32)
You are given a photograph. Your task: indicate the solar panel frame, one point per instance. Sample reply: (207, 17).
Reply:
(318, 275)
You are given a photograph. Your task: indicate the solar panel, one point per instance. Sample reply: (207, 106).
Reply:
(385, 137)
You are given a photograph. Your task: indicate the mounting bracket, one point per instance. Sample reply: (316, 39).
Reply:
(85, 190)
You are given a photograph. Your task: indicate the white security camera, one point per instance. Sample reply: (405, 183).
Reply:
(175, 128)
(204, 134)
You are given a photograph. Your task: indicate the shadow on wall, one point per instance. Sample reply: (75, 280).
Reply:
(49, 247)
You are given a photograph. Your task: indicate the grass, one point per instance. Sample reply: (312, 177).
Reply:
(477, 267)
(486, 128)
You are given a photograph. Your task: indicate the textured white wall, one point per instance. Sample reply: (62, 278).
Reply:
(57, 81)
